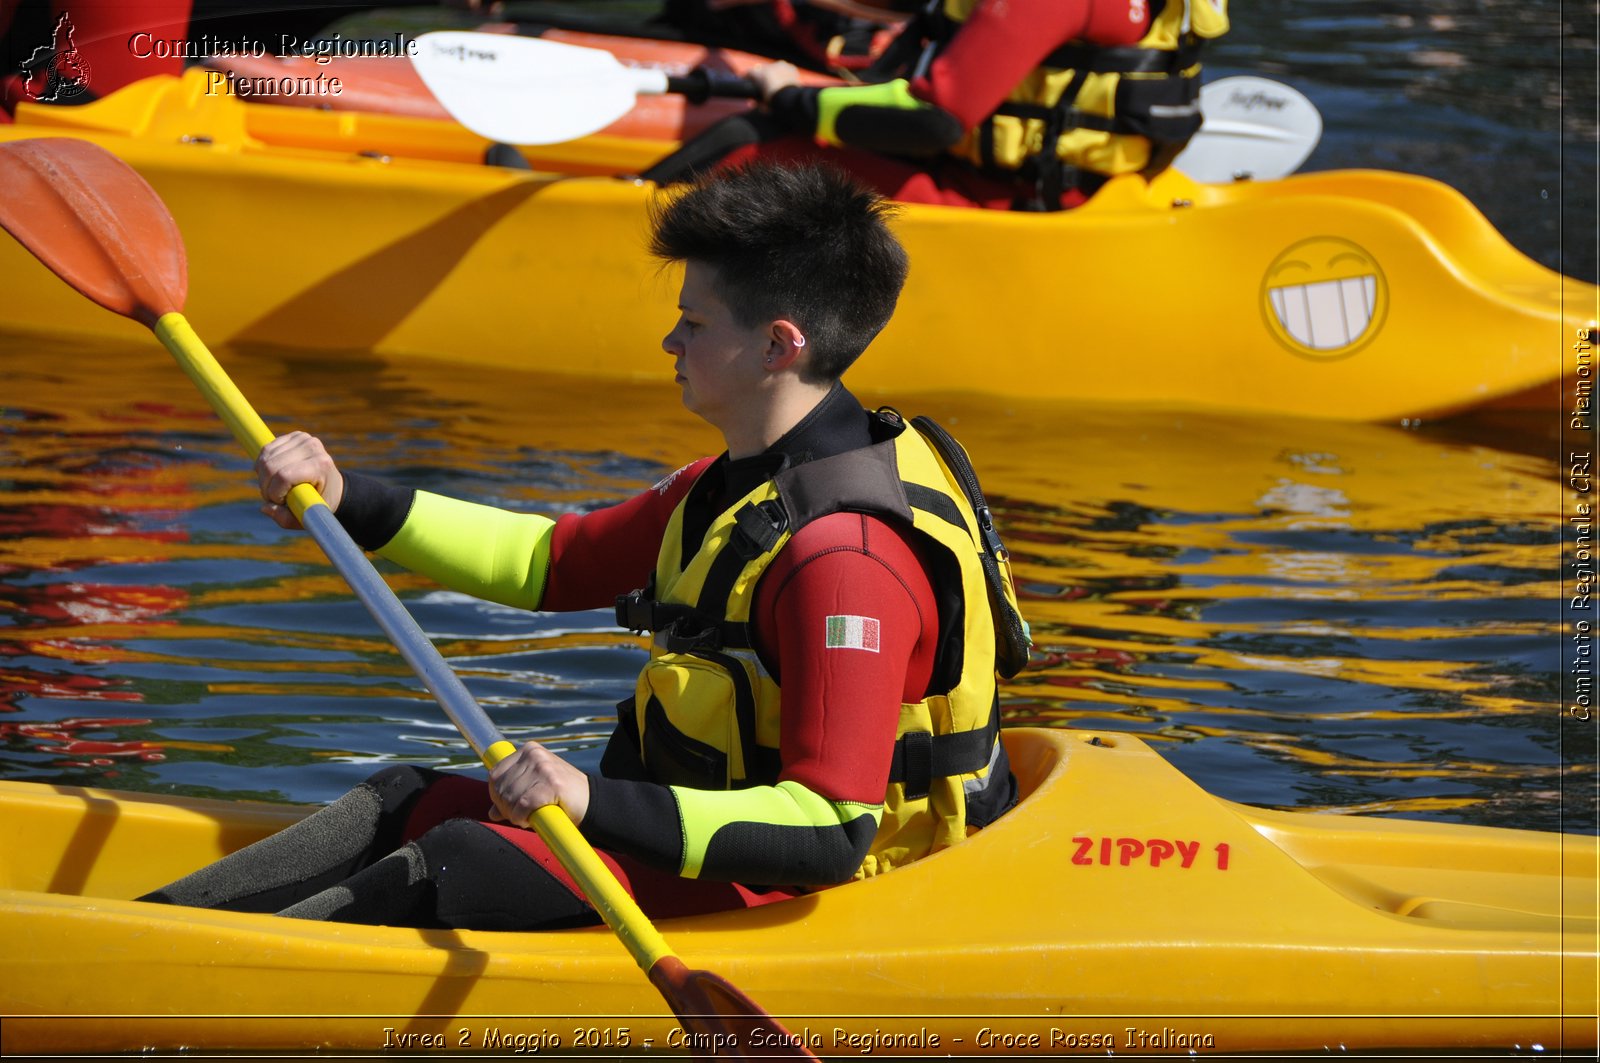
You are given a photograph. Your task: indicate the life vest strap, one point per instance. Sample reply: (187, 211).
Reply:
(921, 757)
(679, 628)
(936, 503)
(757, 528)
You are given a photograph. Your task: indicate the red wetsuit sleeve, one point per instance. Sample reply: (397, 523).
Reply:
(1001, 41)
(847, 617)
(598, 555)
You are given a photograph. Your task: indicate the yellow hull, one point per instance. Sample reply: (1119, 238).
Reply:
(1352, 295)
(1119, 906)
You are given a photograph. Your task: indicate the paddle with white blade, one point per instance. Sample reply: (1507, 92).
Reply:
(525, 90)
(1251, 127)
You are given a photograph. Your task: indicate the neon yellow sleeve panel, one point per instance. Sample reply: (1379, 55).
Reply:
(788, 804)
(479, 550)
(832, 100)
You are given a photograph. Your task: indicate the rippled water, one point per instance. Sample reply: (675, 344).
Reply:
(1299, 614)
(1495, 97)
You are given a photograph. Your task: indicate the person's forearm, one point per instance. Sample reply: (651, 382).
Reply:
(771, 835)
(489, 553)
(578, 561)
(883, 118)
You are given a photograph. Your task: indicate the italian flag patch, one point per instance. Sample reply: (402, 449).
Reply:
(853, 633)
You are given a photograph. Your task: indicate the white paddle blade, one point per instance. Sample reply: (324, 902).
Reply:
(522, 90)
(1251, 127)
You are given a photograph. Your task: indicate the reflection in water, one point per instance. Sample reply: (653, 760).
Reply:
(1298, 614)
(1372, 617)
(1495, 57)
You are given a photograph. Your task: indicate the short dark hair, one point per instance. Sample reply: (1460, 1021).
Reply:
(805, 242)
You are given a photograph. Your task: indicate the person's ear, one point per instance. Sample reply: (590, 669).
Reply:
(785, 344)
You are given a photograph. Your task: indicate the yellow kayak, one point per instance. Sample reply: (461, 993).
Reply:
(1350, 294)
(1119, 907)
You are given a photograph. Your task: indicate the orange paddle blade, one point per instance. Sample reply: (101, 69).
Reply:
(88, 216)
(720, 1019)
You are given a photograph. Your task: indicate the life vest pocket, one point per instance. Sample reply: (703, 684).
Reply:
(698, 723)
(675, 759)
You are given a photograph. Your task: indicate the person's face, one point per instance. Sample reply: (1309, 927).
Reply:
(718, 362)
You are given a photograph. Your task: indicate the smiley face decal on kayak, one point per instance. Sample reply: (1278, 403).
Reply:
(1324, 298)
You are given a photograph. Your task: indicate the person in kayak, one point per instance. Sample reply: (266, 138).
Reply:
(836, 551)
(1021, 104)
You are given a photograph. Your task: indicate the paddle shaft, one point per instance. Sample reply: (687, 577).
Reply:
(599, 885)
(702, 84)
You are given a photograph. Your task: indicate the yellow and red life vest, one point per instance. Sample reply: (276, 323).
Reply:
(1103, 110)
(706, 711)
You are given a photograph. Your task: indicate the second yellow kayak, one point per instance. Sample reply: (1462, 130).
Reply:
(1353, 295)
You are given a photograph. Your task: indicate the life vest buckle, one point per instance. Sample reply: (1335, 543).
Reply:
(636, 612)
(758, 528)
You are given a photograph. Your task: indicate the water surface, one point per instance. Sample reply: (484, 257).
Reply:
(1298, 613)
